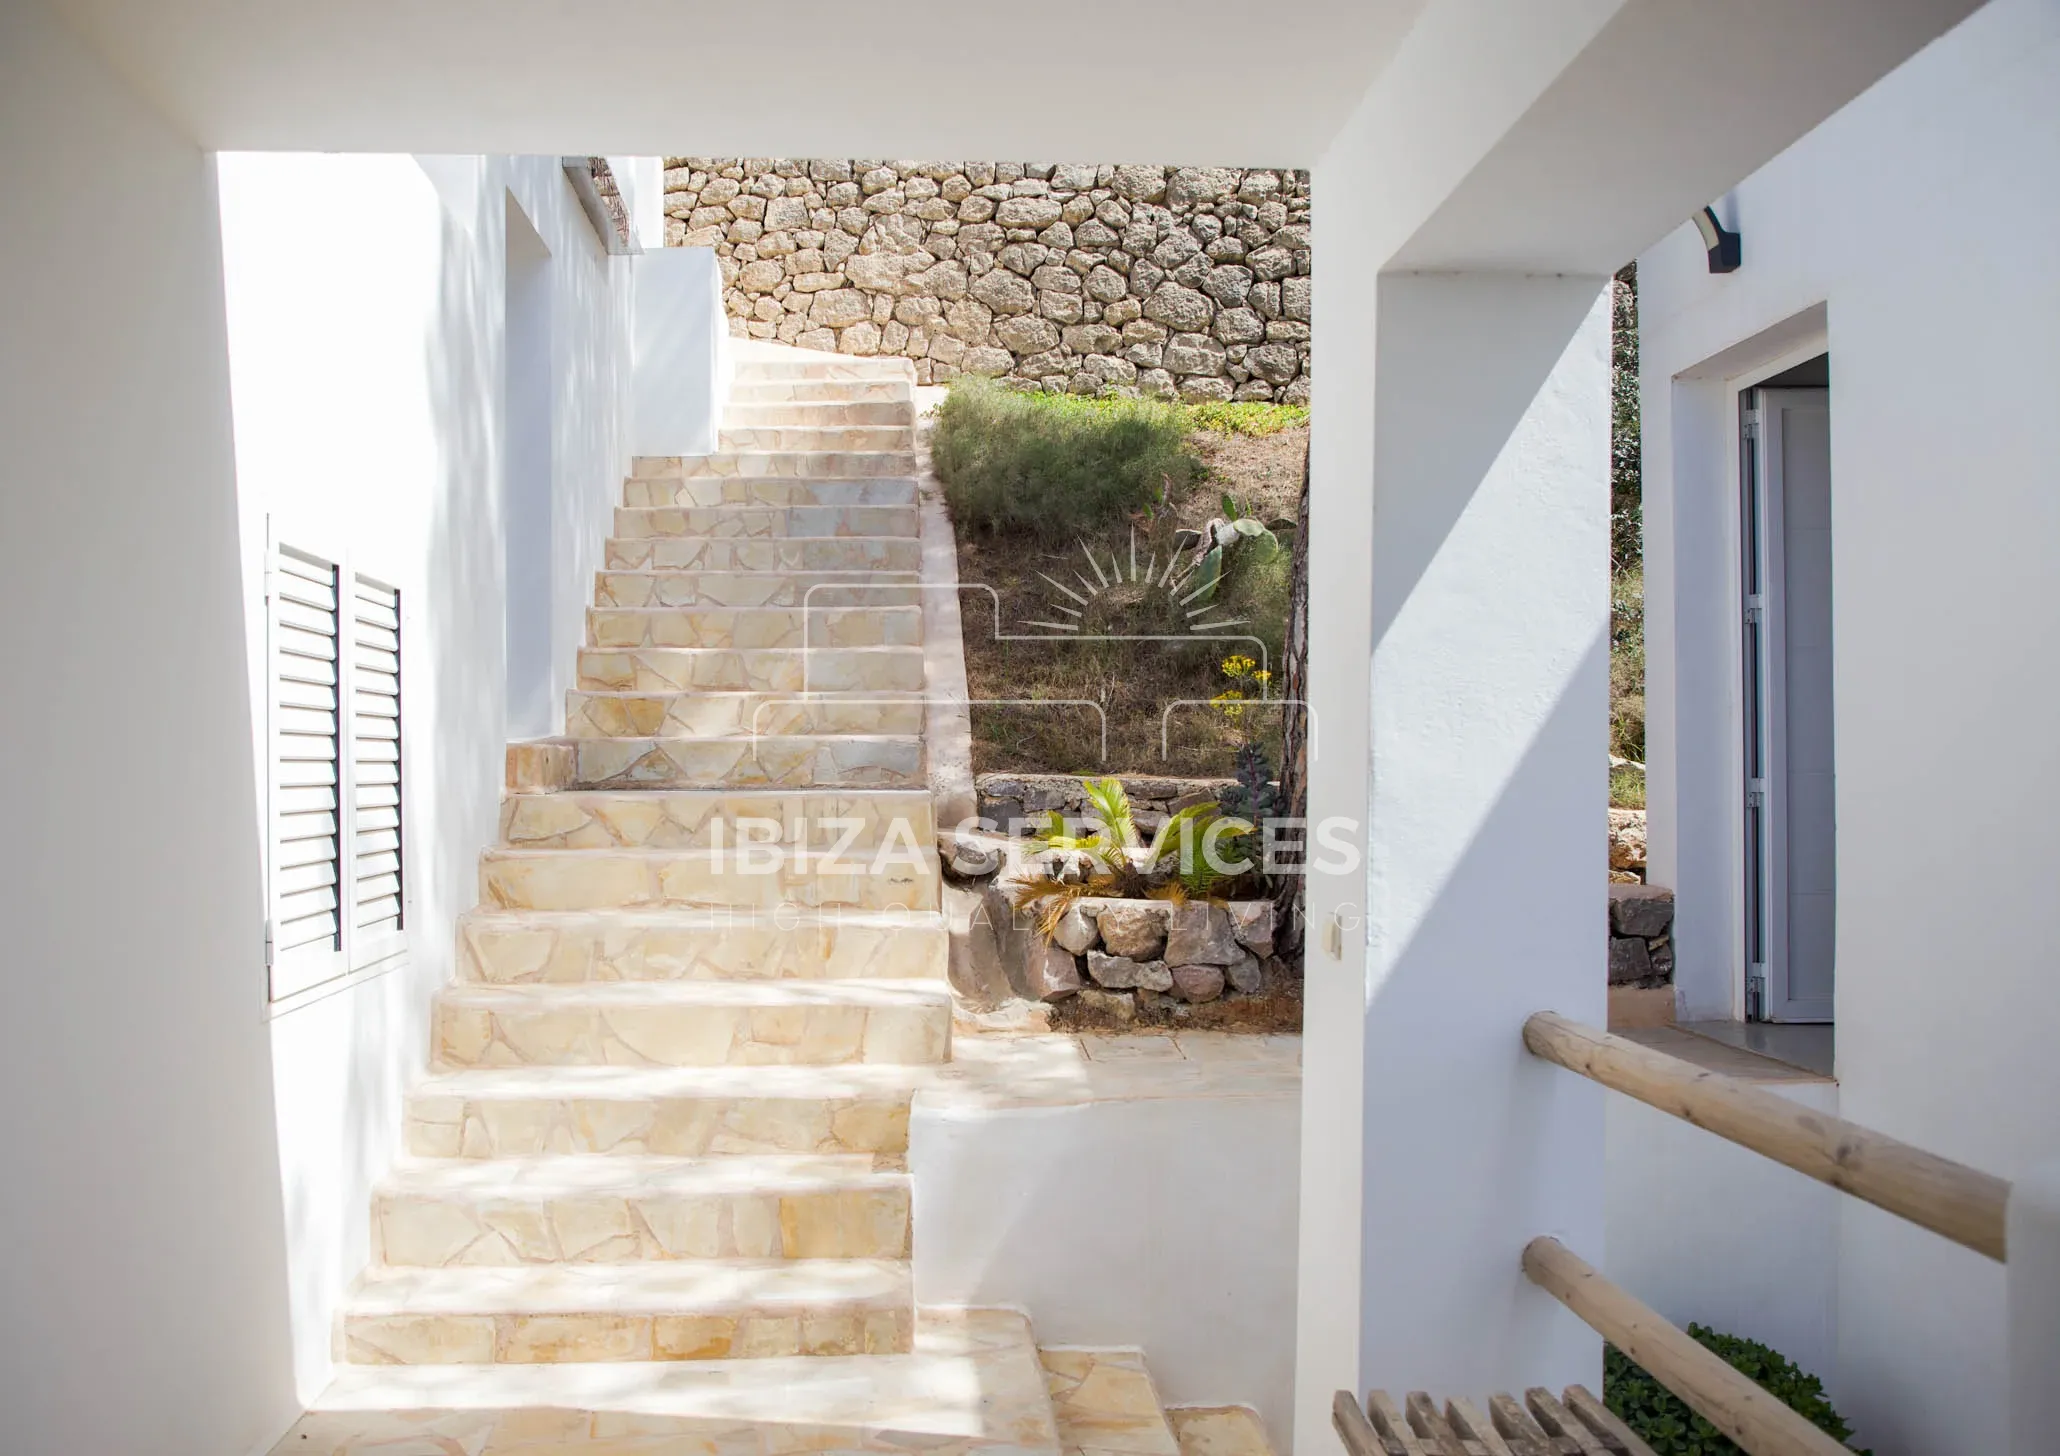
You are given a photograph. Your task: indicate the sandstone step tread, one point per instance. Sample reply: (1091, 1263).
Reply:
(1104, 1400)
(846, 1080)
(752, 669)
(763, 553)
(767, 523)
(970, 1383)
(672, 819)
(1219, 1430)
(620, 877)
(685, 1286)
(747, 995)
(733, 713)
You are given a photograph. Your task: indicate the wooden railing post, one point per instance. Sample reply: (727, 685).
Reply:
(1949, 1198)
(1731, 1402)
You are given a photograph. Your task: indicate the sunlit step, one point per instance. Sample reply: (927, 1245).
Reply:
(817, 437)
(765, 522)
(752, 413)
(767, 554)
(742, 669)
(738, 714)
(838, 760)
(823, 626)
(757, 589)
(885, 490)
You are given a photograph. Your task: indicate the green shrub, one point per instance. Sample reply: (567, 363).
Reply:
(1667, 1424)
(1244, 417)
(1626, 787)
(1055, 466)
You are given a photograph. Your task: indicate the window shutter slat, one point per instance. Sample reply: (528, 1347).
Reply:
(306, 868)
(378, 830)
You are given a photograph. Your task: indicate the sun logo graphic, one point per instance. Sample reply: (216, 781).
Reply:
(1146, 600)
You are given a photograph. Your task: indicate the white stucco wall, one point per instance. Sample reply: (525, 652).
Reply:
(1168, 1224)
(1918, 223)
(365, 310)
(144, 1286)
(682, 372)
(1706, 1232)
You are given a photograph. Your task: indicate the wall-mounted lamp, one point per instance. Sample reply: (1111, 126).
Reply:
(1723, 244)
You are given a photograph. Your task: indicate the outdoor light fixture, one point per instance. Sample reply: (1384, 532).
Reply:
(1723, 244)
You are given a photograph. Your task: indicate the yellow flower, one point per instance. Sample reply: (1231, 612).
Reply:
(1262, 676)
(1238, 666)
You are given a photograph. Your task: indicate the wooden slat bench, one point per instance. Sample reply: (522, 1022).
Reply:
(1574, 1424)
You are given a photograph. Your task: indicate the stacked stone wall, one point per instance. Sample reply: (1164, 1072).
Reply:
(1188, 281)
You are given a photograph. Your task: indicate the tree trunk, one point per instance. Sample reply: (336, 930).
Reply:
(1294, 741)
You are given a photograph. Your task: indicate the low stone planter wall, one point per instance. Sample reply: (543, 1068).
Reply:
(1010, 801)
(1641, 956)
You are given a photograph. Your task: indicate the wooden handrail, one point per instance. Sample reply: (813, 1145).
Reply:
(1733, 1403)
(1951, 1199)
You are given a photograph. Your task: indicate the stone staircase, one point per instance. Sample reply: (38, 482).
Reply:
(653, 1195)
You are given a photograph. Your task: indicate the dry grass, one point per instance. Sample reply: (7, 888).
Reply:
(1130, 681)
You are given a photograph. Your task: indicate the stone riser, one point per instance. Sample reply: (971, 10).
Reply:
(576, 947)
(446, 1121)
(477, 1026)
(843, 369)
(816, 464)
(690, 819)
(891, 877)
(763, 390)
(757, 413)
(773, 670)
(733, 554)
(741, 437)
(849, 761)
(730, 715)
(756, 589)
(765, 523)
(754, 627)
(597, 1336)
(882, 491)
(641, 1221)
(587, 1314)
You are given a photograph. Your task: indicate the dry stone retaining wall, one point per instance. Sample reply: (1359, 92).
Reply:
(1154, 280)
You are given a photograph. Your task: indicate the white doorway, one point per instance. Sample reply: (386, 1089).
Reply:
(526, 468)
(1790, 810)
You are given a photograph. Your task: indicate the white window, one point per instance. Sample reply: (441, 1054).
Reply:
(336, 890)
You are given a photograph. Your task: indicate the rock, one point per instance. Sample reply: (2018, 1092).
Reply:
(1191, 185)
(1113, 1004)
(1251, 922)
(1194, 354)
(988, 361)
(1627, 839)
(1075, 930)
(1646, 911)
(1053, 278)
(1180, 309)
(1228, 285)
(1294, 298)
(880, 272)
(1198, 934)
(1134, 928)
(1053, 974)
(786, 212)
(1629, 960)
(977, 968)
(762, 277)
(1662, 953)
(1122, 973)
(1026, 334)
(1239, 326)
(1277, 363)
(1004, 292)
(839, 308)
(1246, 975)
(1139, 183)
(967, 857)
(1030, 212)
(1197, 983)
(1204, 387)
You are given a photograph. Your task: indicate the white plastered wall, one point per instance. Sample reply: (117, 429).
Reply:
(1920, 221)
(144, 1286)
(365, 309)
(1168, 1224)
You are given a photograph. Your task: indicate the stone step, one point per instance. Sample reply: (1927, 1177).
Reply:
(757, 670)
(843, 760)
(553, 1314)
(969, 1385)
(1219, 1430)
(847, 368)
(866, 626)
(885, 490)
(769, 554)
(818, 464)
(729, 715)
(899, 437)
(512, 1112)
(692, 818)
(765, 523)
(1104, 1399)
(532, 947)
(765, 389)
(445, 1212)
(692, 1024)
(757, 589)
(751, 414)
(763, 876)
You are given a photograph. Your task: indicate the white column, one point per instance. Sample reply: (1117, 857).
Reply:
(1486, 847)
(2032, 1235)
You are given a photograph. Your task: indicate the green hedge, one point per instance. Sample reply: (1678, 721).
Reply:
(1667, 1424)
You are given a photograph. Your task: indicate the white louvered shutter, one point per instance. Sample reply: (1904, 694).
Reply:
(375, 902)
(307, 927)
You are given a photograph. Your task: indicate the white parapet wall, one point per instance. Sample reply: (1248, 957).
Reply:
(1146, 1198)
(682, 370)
